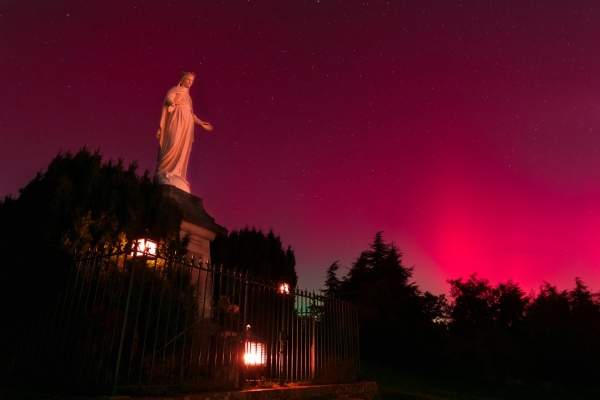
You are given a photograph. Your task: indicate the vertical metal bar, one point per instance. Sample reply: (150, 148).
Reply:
(135, 324)
(195, 313)
(141, 366)
(240, 358)
(218, 315)
(88, 344)
(300, 335)
(347, 335)
(221, 354)
(322, 341)
(114, 331)
(273, 332)
(124, 328)
(288, 331)
(229, 317)
(109, 308)
(73, 273)
(164, 346)
(233, 361)
(296, 345)
(178, 273)
(79, 366)
(343, 341)
(332, 333)
(188, 296)
(103, 270)
(261, 311)
(241, 332)
(211, 272)
(357, 335)
(281, 338)
(349, 339)
(313, 343)
(327, 331)
(158, 319)
(66, 329)
(336, 334)
(234, 327)
(305, 339)
(289, 344)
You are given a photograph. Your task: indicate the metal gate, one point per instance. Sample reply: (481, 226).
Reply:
(130, 322)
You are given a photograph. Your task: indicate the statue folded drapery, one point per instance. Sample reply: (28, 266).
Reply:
(176, 135)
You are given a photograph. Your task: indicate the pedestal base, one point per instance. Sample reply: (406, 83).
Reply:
(174, 180)
(202, 230)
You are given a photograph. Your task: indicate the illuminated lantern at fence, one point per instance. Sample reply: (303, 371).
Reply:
(255, 353)
(145, 247)
(284, 288)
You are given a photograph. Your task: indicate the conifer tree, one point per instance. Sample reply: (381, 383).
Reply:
(332, 282)
(261, 255)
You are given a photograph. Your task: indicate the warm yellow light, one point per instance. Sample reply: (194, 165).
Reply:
(284, 288)
(145, 246)
(255, 354)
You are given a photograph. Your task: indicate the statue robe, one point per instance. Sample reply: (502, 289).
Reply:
(175, 135)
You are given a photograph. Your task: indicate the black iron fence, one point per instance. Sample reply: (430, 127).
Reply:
(130, 322)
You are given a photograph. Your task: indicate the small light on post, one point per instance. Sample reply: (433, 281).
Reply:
(145, 247)
(284, 288)
(255, 354)
(255, 357)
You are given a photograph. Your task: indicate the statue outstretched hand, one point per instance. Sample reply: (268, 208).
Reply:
(203, 124)
(206, 126)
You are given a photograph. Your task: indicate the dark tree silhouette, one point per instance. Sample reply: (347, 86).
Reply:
(563, 334)
(332, 282)
(473, 302)
(396, 319)
(484, 328)
(478, 305)
(261, 255)
(79, 201)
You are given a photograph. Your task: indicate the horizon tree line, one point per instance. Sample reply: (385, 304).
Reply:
(496, 333)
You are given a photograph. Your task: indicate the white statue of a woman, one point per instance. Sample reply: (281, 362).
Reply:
(176, 134)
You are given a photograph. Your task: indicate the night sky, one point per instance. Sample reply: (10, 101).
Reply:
(468, 131)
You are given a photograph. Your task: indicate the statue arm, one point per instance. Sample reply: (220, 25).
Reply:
(170, 101)
(203, 124)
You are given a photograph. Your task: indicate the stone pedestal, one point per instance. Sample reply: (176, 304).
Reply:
(202, 230)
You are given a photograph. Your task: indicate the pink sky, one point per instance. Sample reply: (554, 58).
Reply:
(468, 132)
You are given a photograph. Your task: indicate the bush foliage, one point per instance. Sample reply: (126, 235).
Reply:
(78, 202)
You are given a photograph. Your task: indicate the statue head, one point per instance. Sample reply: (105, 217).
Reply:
(186, 75)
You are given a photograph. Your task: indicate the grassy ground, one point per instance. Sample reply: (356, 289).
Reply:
(394, 385)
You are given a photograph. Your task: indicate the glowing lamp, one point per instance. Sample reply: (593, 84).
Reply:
(145, 247)
(255, 354)
(284, 288)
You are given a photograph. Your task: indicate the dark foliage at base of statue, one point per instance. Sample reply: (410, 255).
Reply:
(78, 202)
